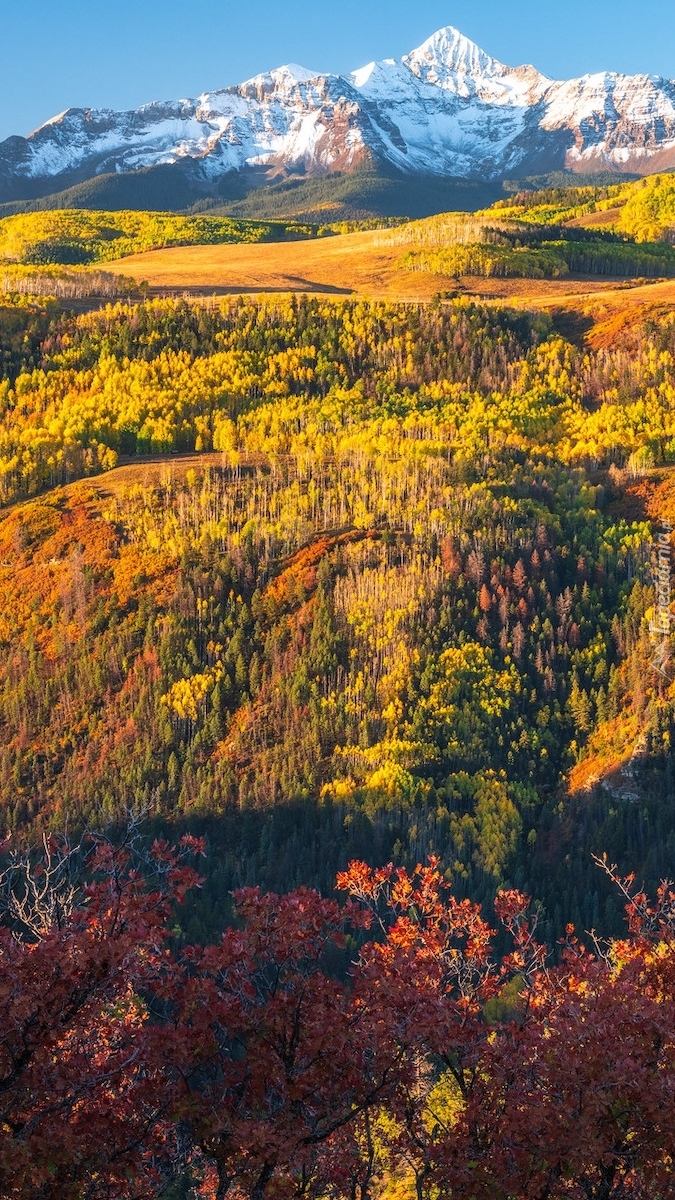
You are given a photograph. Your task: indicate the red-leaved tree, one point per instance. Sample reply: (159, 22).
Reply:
(576, 1097)
(278, 1070)
(82, 1097)
(278, 1060)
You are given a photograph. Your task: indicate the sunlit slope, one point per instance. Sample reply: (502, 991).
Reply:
(557, 235)
(361, 263)
(78, 236)
(601, 314)
(643, 209)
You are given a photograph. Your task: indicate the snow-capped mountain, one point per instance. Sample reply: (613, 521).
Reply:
(447, 109)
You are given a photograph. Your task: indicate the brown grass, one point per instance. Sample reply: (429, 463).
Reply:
(359, 264)
(343, 265)
(597, 220)
(350, 264)
(610, 310)
(146, 472)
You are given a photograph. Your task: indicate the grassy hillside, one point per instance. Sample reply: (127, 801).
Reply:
(565, 236)
(535, 235)
(620, 230)
(371, 264)
(362, 263)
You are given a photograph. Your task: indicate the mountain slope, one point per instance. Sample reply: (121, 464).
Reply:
(377, 610)
(447, 110)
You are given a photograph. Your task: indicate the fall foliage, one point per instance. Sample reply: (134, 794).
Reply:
(396, 596)
(251, 1068)
(327, 589)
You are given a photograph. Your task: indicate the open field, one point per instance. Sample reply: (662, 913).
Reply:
(356, 263)
(147, 471)
(601, 312)
(605, 219)
(350, 264)
(363, 264)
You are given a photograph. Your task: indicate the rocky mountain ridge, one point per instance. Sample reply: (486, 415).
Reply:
(447, 109)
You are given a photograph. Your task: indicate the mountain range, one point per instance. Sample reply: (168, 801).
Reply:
(445, 112)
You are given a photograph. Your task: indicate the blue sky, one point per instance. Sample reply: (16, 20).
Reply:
(125, 52)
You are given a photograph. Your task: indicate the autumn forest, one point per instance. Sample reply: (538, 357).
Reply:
(335, 775)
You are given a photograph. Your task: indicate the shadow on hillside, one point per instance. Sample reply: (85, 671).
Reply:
(289, 283)
(571, 325)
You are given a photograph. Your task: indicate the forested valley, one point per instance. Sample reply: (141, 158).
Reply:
(296, 583)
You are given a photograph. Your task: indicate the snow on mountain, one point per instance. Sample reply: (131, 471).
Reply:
(445, 109)
(624, 121)
(450, 61)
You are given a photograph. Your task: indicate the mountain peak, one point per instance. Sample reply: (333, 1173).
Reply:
(452, 61)
(447, 109)
(449, 52)
(295, 72)
(287, 76)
